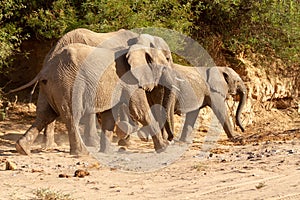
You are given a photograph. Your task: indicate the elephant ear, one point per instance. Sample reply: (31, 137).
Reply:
(231, 79)
(141, 61)
(147, 58)
(157, 43)
(216, 82)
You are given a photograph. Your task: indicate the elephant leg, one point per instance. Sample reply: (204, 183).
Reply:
(107, 124)
(140, 111)
(229, 131)
(45, 115)
(123, 131)
(188, 127)
(151, 127)
(77, 146)
(49, 136)
(90, 135)
(125, 126)
(219, 109)
(168, 131)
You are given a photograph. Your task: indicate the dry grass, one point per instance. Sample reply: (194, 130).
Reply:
(48, 194)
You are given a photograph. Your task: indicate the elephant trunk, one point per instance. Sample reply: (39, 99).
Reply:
(169, 100)
(242, 92)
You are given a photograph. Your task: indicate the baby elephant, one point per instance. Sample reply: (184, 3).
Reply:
(198, 87)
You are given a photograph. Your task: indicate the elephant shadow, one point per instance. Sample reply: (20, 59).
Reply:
(7, 142)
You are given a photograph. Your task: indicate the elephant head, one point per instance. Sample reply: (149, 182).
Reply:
(147, 59)
(235, 86)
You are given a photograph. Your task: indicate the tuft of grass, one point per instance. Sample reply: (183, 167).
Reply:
(199, 167)
(48, 194)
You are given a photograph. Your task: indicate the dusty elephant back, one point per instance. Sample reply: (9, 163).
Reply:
(109, 40)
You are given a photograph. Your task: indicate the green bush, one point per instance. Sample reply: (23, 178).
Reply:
(270, 27)
(10, 33)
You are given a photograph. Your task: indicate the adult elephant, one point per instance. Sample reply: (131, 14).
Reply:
(79, 80)
(194, 88)
(121, 38)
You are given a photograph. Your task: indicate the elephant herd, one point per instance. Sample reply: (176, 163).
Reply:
(117, 79)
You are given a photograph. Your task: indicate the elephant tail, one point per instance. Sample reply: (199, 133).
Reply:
(242, 92)
(33, 81)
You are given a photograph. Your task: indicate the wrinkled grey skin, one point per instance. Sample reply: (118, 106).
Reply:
(59, 74)
(204, 87)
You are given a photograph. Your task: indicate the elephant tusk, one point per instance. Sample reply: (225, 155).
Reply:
(179, 79)
(176, 88)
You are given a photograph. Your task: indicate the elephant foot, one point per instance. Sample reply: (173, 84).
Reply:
(49, 145)
(105, 149)
(238, 139)
(79, 150)
(83, 152)
(170, 138)
(91, 141)
(23, 147)
(125, 141)
(105, 142)
(160, 146)
(123, 129)
(143, 136)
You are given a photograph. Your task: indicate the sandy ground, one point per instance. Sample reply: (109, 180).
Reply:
(267, 166)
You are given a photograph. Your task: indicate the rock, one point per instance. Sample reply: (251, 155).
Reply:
(81, 173)
(63, 176)
(10, 165)
(291, 151)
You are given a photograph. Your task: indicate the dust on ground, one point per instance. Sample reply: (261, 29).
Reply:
(267, 166)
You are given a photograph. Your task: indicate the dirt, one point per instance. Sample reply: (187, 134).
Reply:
(266, 166)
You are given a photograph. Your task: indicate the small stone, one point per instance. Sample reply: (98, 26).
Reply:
(10, 165)
(81, 173)
(291, 151)
(63, 176)
(37, 170)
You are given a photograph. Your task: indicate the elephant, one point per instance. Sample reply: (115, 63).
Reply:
(58, 76)
(120, 38)
(197, 87)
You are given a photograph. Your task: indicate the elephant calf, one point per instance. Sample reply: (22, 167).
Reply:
(198, 87)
